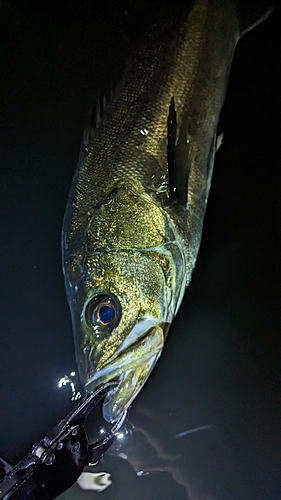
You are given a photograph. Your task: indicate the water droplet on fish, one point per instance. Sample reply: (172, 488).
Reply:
(144, 131)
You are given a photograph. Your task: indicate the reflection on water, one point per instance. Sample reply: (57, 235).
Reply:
(152, 449)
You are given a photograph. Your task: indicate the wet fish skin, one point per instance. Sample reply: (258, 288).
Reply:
(131, 235)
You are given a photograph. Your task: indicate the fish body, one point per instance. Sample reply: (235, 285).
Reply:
(134, 218)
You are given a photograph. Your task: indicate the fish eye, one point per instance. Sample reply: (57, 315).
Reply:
(103, 311)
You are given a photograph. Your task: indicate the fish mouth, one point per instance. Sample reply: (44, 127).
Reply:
(130, 366)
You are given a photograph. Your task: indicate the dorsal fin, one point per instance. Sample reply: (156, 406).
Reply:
(94, 121)
(177, 159)
(95, 116)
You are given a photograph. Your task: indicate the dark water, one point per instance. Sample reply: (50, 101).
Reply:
(221, 363)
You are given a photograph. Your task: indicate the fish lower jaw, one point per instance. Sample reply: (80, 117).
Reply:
(118, 401)
(137, 354)
(131, 370)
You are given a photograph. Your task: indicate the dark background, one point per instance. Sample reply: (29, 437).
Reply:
(221, 363)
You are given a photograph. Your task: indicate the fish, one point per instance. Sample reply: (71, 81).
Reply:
(134, 218)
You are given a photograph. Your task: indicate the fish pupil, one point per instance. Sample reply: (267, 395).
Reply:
(106, 314)
(102, 312)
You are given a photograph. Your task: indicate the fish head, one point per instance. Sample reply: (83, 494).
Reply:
(124, 297)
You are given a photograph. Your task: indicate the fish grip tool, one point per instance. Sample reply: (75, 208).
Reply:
(57, 461)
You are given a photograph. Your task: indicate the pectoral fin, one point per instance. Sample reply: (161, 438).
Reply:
(252, 13)
(177, 159)
(216, 142)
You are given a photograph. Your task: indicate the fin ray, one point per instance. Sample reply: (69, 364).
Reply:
(252, 13)
(177, 159)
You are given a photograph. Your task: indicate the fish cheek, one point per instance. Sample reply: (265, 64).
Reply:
(156, 287)
(150, 284)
